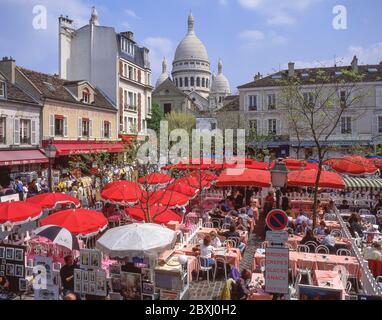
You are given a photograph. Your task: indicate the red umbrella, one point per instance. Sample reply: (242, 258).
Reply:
(52, 199)
(126, 192)
(155, 178)
(204, 175)
(196, 182)
(18, 212)
(183, 188)
(244, 177)
(159, 213)
(167, 198)
(293, 164)
(78, 221)
(257, 165)
(376, 162)
(355, 165)
(118, 183)
(307, 178)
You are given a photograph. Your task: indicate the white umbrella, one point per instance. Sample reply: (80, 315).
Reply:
(136, 239)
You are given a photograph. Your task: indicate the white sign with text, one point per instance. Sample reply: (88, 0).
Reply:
(276, 270)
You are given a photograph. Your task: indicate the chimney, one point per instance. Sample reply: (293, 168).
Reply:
(8, 68)
(130, 35)
(258, 76)
(291, 69)
(354, 64)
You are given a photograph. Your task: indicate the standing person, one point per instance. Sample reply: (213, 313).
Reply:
(67, 275)
(284, 202)
(20, 189)
(238, 199)
(80, 191)
(25, 191)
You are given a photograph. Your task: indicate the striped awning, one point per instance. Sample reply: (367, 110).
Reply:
(357, 183)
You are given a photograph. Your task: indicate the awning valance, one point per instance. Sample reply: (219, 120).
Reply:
(65, 149)
(358, 183)
(20, 157)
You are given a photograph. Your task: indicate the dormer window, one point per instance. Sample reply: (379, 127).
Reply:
(86, 96)
(2, 89)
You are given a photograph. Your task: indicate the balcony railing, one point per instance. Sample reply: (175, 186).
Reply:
(130, 107)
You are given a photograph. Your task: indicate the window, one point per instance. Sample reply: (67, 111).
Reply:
(220, 99)
(2, 130)
(346, 125)
(198, 82)
(176, 82)
(192, 82)
(207, 83)
(252, 103)
(272, 126)
(85, 127)
(253, 126)
(106, 129)
(130, 72)
(380, 124)
(125, 70)
(186, 82)
(149, 79)
(143, 124)
(167, 108)
(58, 125)
(2, 89)
(180, 82)
(308, 99)
(149, 105)
(343, 98)
(378, 95)
(86, 96)
(271, 101)
(25, 131)
(203, 82)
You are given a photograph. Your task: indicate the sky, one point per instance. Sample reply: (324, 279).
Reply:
(250, 36)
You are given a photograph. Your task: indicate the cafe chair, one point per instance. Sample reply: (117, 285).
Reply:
(369, 218)
(303, 248)
(312, 245)
(364, 212)
(343, 272)
(291, 247)
(343, 252)
(203, 267)
(229, 243)
(336, 233)
(208, 225)
(304, 268)
(216, 223)
(223, 262)
(236, 240)
(330, 217)
(226, 226)
(322, 249)
(348, 287)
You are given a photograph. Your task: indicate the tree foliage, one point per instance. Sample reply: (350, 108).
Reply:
(156, 116)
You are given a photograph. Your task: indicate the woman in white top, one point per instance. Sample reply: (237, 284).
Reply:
(207, 250)
(215, 241)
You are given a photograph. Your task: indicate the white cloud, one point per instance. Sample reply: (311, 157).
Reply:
(252, 35)
(159, 47)
(371, 54)
(278, 12)
(131, 13)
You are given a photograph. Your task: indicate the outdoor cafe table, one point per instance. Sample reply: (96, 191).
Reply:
(331, 225)
(202, 232)
(259, 294)
(232, 255)
(329, 279)
(320, 261)
(294, 241)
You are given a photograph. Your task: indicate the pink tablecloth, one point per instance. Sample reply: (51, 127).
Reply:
(260, 294)
(204, 231)
(319, 262)
(296, 239)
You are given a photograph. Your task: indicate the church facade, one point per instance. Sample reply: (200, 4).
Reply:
(192, 87)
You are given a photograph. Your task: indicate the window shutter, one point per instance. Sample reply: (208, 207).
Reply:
(65, 127)
(90, 128)
(110, 132)
(121, 68)
(16, 131)
(33, 133)
(79, 127)
(378, 94)
(102, 129)
(51, 125)
(279, 127)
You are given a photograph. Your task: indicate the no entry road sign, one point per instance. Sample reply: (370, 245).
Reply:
(277, 220)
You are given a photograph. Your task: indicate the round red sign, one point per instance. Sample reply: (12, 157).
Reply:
(277, 220)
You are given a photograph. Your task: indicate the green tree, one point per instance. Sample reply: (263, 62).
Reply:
(179, 120)
(156, 116)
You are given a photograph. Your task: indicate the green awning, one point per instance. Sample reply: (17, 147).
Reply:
(358, 183)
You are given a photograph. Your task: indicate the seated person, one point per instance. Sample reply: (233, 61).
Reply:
(216, 214)
(215, 241)
(330, 208)
(232, 233)
(309, 237)
(344, 205)
(301, 217)
(244, 217)
(329, 241)
(355, 225)
(291, 213)
(242, 289)
(302, 228)
(373, 252)
(207, 250)
(320, 230)
(240, 225)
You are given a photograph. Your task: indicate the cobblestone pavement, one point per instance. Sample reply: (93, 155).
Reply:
(202, 290)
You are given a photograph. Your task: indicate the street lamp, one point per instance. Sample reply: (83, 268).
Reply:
(279, 174)
(50, 152)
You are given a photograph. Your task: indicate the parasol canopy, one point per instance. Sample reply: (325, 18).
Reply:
(244, 177)
(307, 178)
(18, 212)
(52, 199)
(155, 213)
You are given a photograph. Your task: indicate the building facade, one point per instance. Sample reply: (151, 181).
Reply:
(263, 111)
(114, 63)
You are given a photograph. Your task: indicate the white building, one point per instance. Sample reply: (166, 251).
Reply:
(361, 124)
(114, 63)
(191, 73)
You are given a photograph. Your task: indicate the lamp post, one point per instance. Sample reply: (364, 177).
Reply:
(279, 176)
(50, 152)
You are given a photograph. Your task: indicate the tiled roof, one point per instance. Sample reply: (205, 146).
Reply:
(53, 87)
(14, 93)
(308, 76)
(231, 103)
